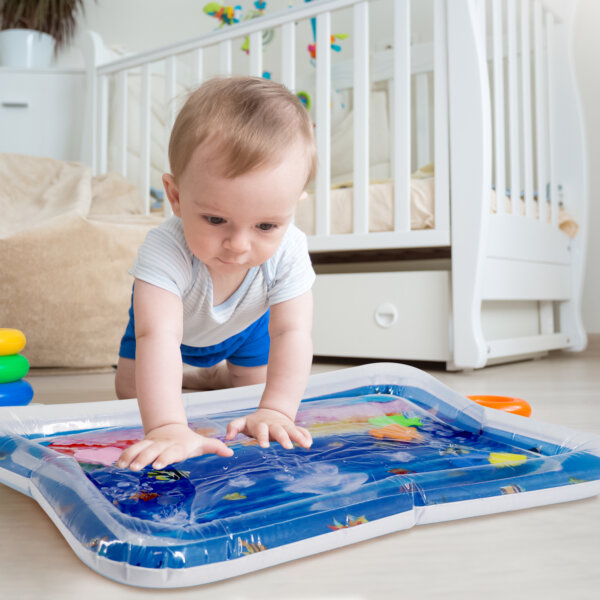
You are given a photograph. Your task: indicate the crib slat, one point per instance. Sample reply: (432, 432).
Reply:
(526, 104)
(288, 56)
(256, 54)
(401, 156)
(103, 123)
(225, 58)
(361, 117)
(499, 142)
(551, 116)
(91, 137)
(440, 107)
(513, 111)
(422, 120)
(540, 111)
(170, 94)
(198, 66)
(481, 7)
(323, 131)
(546, 312)
(145, 107)
(122, 99)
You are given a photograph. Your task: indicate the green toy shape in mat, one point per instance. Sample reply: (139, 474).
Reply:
(396, 419)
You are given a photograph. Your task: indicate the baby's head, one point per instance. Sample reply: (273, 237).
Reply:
(241, 124)
(242, 151)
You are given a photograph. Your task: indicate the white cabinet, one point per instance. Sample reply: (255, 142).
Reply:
(395, 315)
(41, 112)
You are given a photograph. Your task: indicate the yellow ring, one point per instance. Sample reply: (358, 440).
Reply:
(12, 341)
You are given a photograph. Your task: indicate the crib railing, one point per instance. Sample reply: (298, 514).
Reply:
(516, 55)
(519, 39)
(522, 144)
(284, 23)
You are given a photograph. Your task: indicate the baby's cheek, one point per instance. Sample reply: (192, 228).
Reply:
(272, 248)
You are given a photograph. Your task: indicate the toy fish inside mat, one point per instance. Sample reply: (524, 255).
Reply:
(168, 474)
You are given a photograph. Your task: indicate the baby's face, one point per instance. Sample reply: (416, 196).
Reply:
(232, 225)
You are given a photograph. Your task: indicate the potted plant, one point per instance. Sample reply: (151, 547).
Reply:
(32, 30)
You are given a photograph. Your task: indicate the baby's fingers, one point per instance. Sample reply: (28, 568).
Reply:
(236, 426)
(261, 434)
(213, 446)
(171, 454)
(128, 456)
(301, 436)
(148, 455)
(280, 434)
(178, 452)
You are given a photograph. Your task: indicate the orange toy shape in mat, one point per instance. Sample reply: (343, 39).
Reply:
(397, 432)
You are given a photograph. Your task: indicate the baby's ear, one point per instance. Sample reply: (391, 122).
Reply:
(172, 191)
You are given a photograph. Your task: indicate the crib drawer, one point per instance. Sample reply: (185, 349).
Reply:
(397, 315)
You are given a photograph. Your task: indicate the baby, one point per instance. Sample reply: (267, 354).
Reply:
(225, 284)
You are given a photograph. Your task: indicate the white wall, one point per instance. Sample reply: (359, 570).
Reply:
(143, 24)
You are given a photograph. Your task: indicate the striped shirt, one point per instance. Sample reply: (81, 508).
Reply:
(164, 260)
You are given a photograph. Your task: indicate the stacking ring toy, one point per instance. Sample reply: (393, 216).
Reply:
(13, 367)
(17, 393)
(516, 406)
(12, 341)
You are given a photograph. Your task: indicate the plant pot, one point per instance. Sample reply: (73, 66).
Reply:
(26, 49)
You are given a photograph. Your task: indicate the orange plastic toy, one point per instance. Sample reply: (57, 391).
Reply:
(516, 406)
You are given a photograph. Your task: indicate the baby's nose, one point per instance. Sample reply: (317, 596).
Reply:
(238, 242)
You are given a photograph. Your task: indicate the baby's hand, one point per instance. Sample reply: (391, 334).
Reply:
(169, 444)
(267, 424)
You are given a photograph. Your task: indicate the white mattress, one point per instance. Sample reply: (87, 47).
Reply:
(381, 208)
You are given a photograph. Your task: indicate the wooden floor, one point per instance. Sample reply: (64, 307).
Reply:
(549, 552)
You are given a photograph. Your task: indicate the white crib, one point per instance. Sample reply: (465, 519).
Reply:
(490, 99)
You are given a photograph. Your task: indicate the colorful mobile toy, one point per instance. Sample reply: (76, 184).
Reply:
(305, 98)
(312, 48)
(227, 15)
(13, 367)
(230, 15)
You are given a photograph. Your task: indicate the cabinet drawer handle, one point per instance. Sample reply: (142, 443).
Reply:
(15, 104)
(386, 315)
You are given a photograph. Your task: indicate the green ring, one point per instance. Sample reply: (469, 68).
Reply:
(13, 367)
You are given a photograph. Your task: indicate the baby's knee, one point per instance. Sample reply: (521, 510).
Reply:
(125, 379)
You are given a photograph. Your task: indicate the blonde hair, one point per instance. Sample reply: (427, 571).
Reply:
(251, 120)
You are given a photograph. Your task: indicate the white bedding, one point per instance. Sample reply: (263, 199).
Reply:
(381, 208)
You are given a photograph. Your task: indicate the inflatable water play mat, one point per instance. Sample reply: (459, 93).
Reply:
(393, 448)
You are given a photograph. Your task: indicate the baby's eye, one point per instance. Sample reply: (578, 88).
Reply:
(266, 226)
(215, 220)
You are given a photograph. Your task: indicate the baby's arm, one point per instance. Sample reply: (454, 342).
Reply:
(290, 358)
(158, 373)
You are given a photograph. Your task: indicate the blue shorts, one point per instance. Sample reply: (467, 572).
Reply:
(249, 348)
